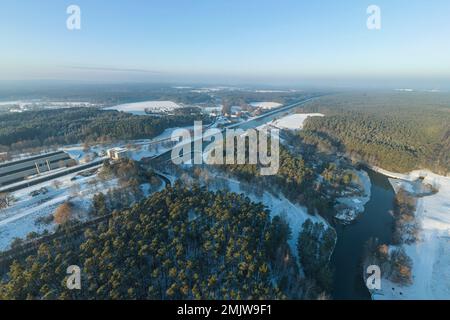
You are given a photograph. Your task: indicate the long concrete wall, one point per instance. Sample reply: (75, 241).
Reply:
(51, 176)
(19, 170)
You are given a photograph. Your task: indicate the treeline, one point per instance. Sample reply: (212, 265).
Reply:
(177, 244)
(396, 131)
(104, 94)
(68, 126)
(406, 228)
(394, 263)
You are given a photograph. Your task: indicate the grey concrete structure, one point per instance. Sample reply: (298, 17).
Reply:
(15, 171)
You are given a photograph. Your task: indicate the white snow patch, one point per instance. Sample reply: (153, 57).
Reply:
(139, 108)
(431, 254)
(20, 219)
(294, 121)
(405, 90)
(266, 105)
(149, 151)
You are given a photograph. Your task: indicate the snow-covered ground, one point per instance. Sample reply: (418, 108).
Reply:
(431, 254)
(405, 90)
(139, 108)
(20, 219)
(9, 103)
(21, 106)
(266, 105)
(78, 153)
(274, 91)
(294, 121)
(149, 150)
(213, 89)
(415, 188)
(212, 110)
(167, 134)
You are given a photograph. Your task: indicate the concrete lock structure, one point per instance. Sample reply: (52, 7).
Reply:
(15, 171)
(118, 153)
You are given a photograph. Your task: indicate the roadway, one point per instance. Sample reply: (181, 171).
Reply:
(251, 123)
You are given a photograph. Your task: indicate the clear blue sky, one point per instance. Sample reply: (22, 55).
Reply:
(260, 40)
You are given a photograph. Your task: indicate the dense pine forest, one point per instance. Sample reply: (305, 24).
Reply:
(397, 131)
(32, 129)
(296, 179)
(177, 244)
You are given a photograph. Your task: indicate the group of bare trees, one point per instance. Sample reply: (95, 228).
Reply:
(394, 262)
(63, 213)
(406, 228)
(5, 200)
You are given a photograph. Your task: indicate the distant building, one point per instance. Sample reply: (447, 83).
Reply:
(236, 110)
(19, 170)
(118, 153)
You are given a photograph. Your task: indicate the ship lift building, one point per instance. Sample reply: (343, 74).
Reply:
(19, 170)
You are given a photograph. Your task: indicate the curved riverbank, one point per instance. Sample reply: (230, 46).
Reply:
(375, 222)
(430, 254)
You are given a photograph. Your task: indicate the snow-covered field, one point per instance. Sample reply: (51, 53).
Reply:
(405, 90)
(139, 108)
(266, 105)
(9, 103)
(274, 91)
(213, 89)
(294, 121)
(431, 254)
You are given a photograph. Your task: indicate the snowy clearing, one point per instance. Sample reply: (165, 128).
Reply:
(266, 105)
(21, 106)
(294, 121)
(23, 216)
(149, 150)
(139, 108)
(20, 219)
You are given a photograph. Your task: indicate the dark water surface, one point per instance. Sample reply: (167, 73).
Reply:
(375, 222)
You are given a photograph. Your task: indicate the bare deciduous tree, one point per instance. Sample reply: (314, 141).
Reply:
(63, 213)
(5, 200)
